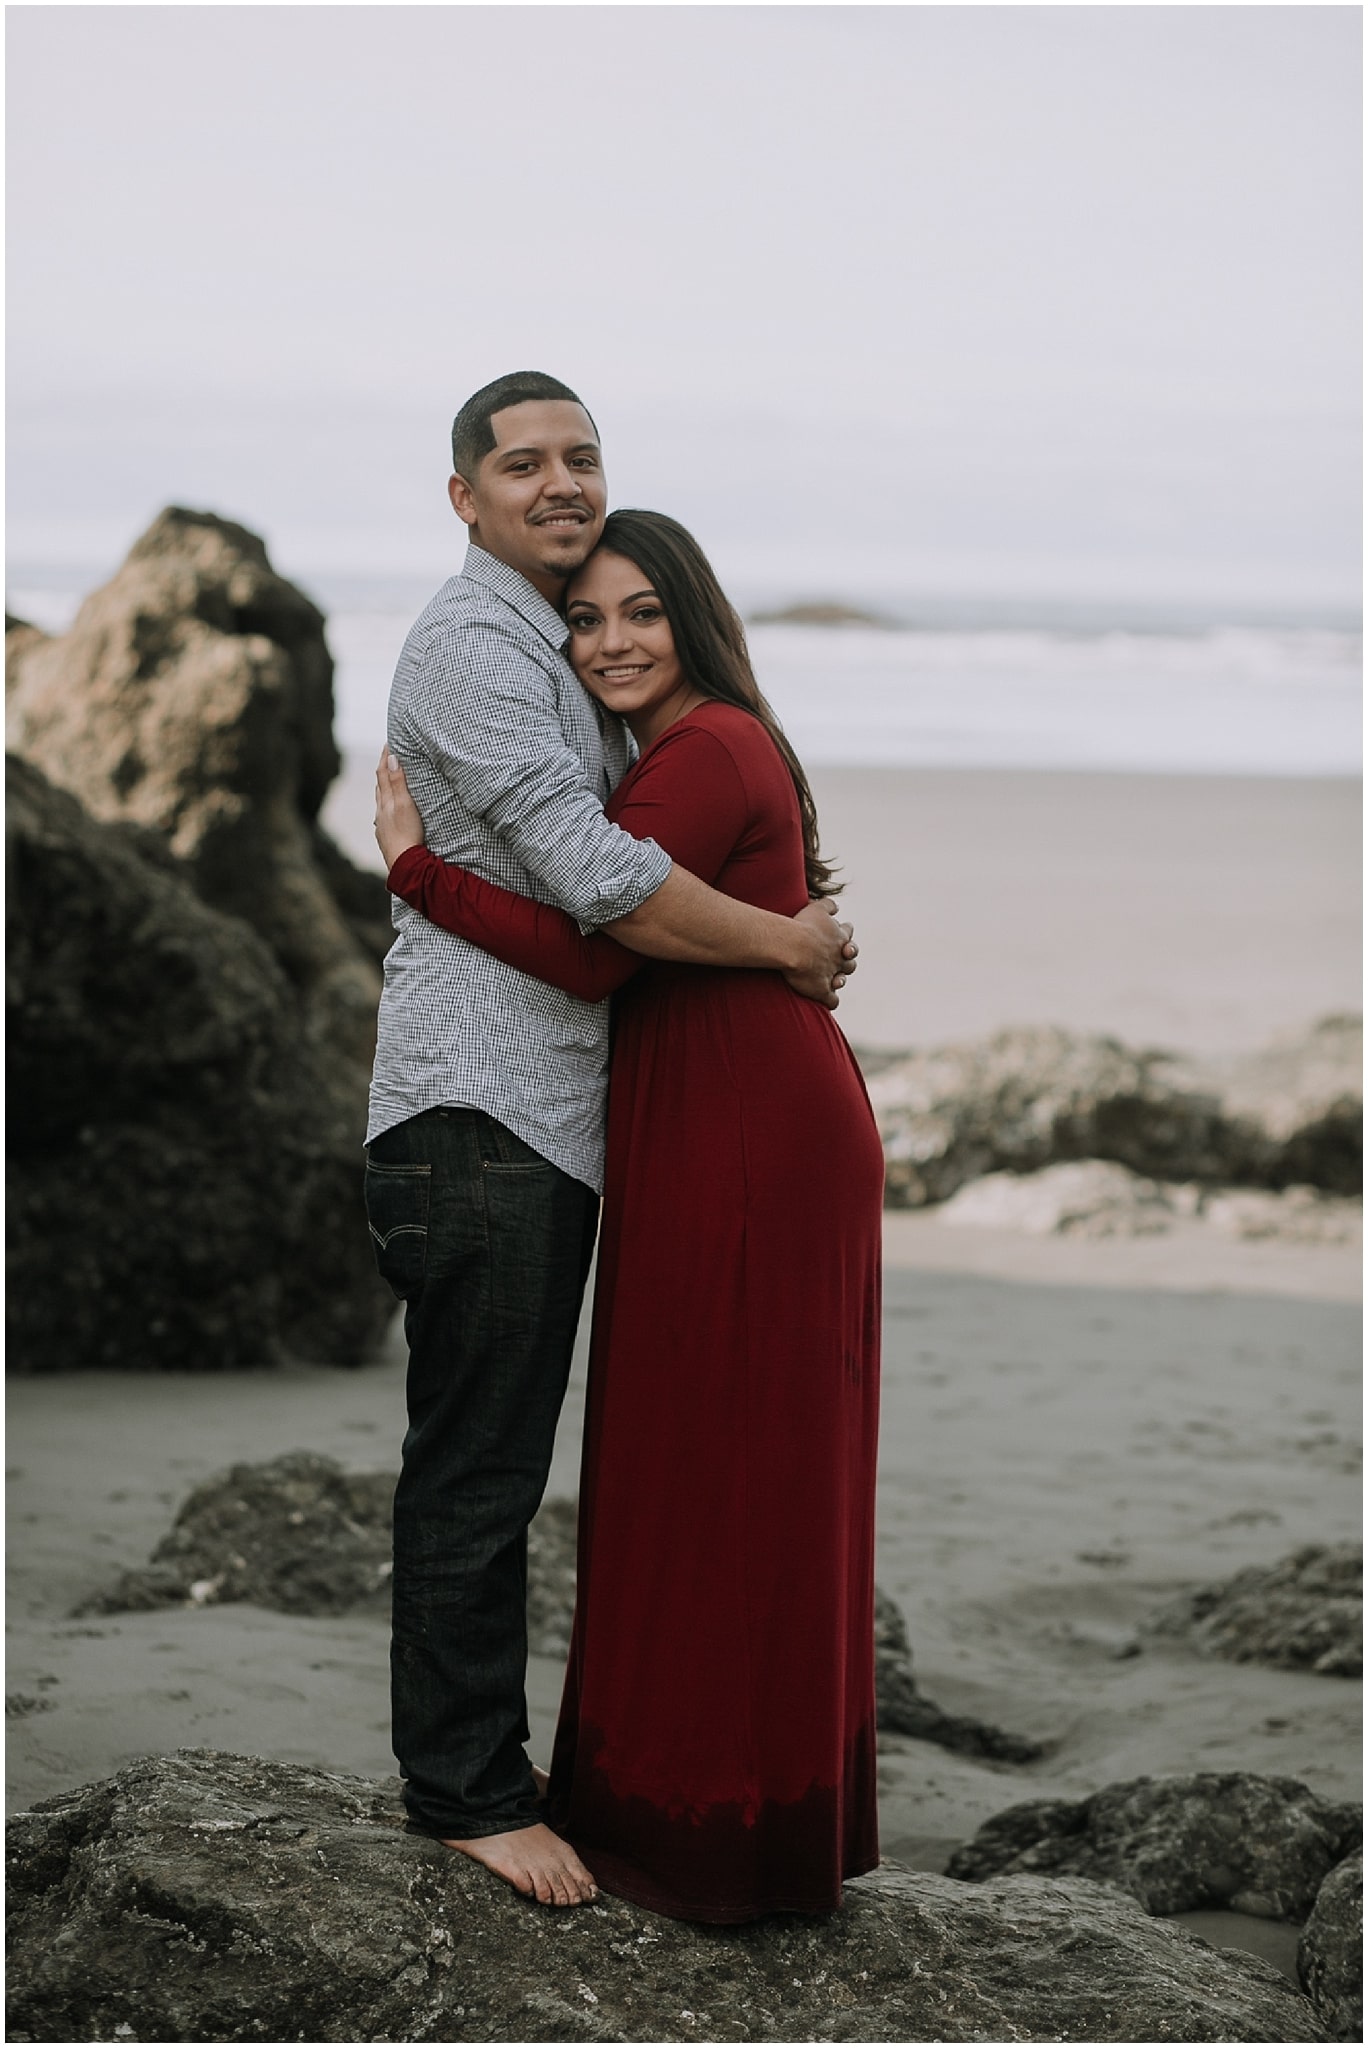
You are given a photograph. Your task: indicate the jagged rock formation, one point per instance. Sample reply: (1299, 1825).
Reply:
(1032, 1098)
(20, 636)
(1217, 1838)
(205, 1897)
(192, 695)
(189, 705)
(185, 1165)
(1304, 1613)
(1330, 1952)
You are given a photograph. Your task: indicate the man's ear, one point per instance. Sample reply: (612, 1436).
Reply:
(462, 499)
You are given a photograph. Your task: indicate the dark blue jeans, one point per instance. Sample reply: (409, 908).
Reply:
(488, 1246)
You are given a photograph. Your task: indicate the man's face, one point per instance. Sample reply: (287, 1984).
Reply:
(538, 498)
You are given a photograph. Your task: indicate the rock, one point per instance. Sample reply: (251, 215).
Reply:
(205, 1897)
(903, 1710)
(1304, 1613)
(1330, 1952)
(1084, 1198)
(1095, 1198)
(1296, 1215)
(20, 636)
(822, 614)
(185, 1163)
(1030, 1099)
(1299, 1104)
(302, 1535)
(1215, 1839)
(19, 1705)
(192, 695)
(298, 1534)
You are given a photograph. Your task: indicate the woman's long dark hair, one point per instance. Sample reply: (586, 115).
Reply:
(710, 641)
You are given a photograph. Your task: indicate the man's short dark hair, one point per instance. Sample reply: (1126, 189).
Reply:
(472, 432)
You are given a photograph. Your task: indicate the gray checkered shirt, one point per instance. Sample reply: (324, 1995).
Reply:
(509, 762)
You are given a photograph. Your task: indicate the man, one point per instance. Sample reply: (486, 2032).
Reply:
(485, 1147)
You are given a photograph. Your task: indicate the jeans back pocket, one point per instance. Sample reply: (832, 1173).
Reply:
(397, 1199)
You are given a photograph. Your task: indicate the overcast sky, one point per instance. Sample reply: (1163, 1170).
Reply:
(1057, 302)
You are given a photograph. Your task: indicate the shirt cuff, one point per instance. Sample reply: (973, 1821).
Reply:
(648, 873)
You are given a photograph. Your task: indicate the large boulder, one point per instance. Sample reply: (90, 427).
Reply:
(185, 1159)
(1213, 1839)
(1304, 1613)
(1029, 1099)
(205, 1897)
(192, 695)
(1330, 1952)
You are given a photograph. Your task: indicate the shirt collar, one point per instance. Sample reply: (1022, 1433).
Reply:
(515, 590)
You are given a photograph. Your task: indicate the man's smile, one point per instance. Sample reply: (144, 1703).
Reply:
(571, 517)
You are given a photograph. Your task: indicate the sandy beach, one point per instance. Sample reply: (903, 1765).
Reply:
(1072, 1431)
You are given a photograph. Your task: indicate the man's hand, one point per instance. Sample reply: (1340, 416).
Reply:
(832, 948)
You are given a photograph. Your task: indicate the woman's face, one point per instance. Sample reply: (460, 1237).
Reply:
(622, 648)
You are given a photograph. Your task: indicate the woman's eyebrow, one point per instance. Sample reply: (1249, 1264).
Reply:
(639, 593)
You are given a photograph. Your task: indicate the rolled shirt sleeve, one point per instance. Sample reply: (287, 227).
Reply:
(491, 727)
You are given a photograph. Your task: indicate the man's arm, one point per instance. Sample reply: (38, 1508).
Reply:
(686, 920)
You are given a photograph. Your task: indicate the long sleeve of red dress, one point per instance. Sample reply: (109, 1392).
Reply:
(685, 795)
(534, 937)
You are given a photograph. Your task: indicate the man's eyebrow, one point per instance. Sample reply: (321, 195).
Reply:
(580, 448)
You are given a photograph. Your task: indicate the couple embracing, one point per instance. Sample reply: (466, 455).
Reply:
(596, 831)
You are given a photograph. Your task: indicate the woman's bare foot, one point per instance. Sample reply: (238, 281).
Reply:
(535, 1862)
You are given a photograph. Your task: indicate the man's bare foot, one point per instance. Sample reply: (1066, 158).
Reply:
(536, 1862)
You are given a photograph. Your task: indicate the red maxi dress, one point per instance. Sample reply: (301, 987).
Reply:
(715, 1757)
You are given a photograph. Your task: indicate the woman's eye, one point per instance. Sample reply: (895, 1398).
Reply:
(582, 622)
(646, 613)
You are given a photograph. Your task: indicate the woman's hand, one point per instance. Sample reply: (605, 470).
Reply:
(397, 822)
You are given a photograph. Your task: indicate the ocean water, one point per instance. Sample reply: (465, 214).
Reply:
(1178, 699)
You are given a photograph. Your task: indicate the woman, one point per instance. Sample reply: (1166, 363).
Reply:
(715, 1758)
